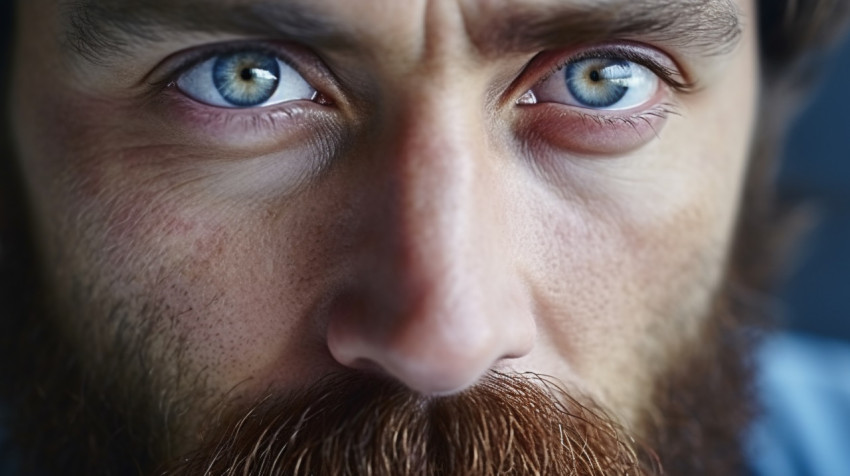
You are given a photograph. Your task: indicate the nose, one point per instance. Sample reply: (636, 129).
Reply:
(436, 299)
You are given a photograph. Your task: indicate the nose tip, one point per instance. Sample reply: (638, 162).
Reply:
(432, 351)
(432, 295)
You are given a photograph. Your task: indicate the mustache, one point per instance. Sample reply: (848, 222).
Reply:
(356, 424)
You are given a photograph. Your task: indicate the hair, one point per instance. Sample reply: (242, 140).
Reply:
(350, 425)
(794, 37)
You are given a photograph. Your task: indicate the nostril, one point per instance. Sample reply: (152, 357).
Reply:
(430, 328)
(434, 350)
(424, 363)
(367, 366)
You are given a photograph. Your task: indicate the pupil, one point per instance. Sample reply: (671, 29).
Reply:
(246, 78)
(594, 76)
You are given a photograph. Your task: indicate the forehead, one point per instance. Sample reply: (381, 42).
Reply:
(701, 27)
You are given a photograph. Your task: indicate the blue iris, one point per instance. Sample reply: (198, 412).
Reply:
(246, 79)
(598, 82)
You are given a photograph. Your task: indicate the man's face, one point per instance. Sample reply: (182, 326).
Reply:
(249, 196)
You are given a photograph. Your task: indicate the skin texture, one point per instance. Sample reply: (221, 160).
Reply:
(416, 222)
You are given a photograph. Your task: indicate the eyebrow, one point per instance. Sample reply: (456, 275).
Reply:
(98, 30)
(698, 27)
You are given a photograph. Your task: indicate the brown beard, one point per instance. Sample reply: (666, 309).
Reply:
(68, 421)
(365, 425)
(70, 418)
(356, 424)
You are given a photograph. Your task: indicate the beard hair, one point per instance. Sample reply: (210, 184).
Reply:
(64, 416)
(70, 419)
(357, 424)
(354, 424)
(115, 416)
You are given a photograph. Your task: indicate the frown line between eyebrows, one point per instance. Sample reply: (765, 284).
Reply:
(702, 28)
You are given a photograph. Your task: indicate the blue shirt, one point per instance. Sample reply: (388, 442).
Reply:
(804, 385)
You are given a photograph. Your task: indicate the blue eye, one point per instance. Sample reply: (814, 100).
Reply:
(598, 83)
(607, 83)
(244, 79)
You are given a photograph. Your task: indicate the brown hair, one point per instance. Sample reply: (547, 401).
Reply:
(794, 35)
(361, 424)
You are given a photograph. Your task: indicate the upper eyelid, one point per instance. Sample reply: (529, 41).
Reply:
(177, 64)
(545, 64)
(629, 53)
(169, 70)
(316, 73)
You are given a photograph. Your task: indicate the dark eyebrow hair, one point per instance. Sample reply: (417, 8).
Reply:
(99, 29)
(699, 27)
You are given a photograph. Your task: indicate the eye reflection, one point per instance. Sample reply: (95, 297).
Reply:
(244, 79)
(597, 83)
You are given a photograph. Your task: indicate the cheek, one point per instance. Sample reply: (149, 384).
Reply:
(214, 274)
(230, 286)
(627, 253)
(615, 296)
(222, 294)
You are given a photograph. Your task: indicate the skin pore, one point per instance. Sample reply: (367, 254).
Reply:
(441, 208)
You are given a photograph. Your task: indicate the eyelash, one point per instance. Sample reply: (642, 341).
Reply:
(270, 118)
(660, 111)
(169, 81)
(666, 74)
(199, 56)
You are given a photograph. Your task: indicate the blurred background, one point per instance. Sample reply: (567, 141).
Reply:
(817, 168)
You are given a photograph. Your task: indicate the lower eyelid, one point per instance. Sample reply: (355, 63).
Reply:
(234, 126)
(593, 133)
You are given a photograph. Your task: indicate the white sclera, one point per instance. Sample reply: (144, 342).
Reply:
(642, 87)
(198, 84)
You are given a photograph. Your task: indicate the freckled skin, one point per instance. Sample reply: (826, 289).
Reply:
(421, 233)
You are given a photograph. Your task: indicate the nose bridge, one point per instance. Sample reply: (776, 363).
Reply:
(432, 312)
(436, 167)
(437, 164)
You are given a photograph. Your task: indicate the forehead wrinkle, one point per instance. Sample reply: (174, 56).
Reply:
(703, 27)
